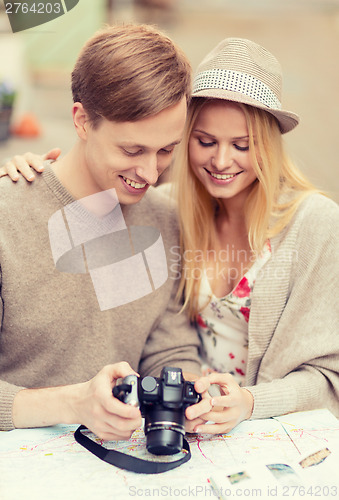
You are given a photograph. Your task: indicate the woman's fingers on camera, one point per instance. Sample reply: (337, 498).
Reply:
(190, 425)
(224, 380)
(195, 411)
(218, 417)
(209, 383)
(202, 385)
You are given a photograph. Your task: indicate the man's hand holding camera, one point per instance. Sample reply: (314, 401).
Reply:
(89, 403)
(95, 408)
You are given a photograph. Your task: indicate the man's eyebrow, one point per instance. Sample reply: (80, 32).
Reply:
(178, 141)
(144, 146)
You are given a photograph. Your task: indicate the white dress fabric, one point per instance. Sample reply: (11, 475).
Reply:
(223, 323)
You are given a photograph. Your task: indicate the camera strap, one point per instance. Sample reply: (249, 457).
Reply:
(129, 462)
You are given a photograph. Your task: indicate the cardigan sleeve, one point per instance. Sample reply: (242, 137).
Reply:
(173, 342)
(297, 359)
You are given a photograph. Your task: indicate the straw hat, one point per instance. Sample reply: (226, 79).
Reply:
(242, 71)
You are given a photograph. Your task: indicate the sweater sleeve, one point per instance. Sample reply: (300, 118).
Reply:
(173, 342)
(7, 395)
(299, 367)
(7, 391)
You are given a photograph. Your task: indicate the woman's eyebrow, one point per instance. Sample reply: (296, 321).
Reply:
(242, 137)
(202, 132)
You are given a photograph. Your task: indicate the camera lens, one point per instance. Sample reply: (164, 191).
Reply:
(164, 430)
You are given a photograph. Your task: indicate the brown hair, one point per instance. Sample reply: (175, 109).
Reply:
(130, 72)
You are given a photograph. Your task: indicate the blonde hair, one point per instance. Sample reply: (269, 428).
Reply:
(129, 72)
(266, 214)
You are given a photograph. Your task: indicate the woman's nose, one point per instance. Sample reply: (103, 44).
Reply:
(223, 158)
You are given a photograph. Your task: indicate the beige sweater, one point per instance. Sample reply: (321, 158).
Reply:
(52, 329)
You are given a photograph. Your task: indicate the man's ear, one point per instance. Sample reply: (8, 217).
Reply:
(80, 120)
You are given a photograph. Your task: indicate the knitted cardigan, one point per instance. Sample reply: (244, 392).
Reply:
(293, 352)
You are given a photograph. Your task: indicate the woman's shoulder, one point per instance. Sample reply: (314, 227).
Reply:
(315, 221)
(318, 200)
(316, 224)
(317, 210)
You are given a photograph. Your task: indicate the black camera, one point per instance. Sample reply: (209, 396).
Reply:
(162, 402)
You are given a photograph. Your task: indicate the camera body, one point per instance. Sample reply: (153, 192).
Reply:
(162, 402)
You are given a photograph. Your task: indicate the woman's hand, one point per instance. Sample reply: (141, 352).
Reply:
(25, 163)
(234, 405)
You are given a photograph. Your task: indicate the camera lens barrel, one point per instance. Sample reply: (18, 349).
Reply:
(162, 402)
(164, 430)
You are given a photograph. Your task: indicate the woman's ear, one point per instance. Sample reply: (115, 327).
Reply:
(80, 120)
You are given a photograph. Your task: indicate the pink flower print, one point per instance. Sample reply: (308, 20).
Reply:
(231, 355)
(245, 311)
(240, 371)
(242, 289)
(201, 322)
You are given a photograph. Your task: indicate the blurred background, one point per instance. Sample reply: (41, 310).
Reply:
(35, 67)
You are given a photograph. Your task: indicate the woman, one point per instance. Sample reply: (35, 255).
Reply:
(260, 243)
(258, 248)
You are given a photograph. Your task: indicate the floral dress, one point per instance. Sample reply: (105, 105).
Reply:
(223, 323)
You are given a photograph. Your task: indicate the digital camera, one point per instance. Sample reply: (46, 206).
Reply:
(162, 402)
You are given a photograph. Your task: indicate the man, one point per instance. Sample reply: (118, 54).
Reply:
(68, 331)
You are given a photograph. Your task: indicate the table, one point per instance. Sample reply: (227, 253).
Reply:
(258, 458)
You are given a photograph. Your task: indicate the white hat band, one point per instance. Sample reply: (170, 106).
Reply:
(235, 81)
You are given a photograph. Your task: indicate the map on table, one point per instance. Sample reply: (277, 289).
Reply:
(288, 454)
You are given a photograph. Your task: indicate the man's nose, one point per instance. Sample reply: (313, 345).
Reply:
(148, 169)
